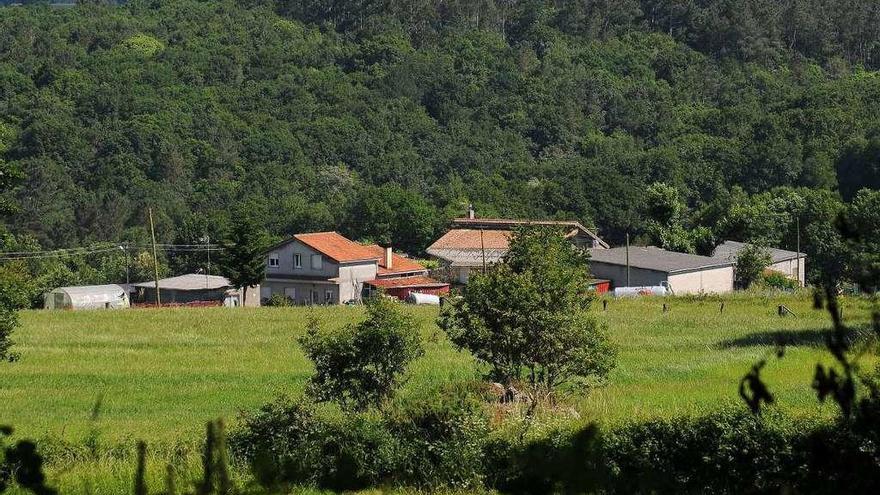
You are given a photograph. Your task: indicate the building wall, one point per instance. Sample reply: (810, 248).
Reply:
(184, 296)
(352, 277)
(285, 253)
(715, 280)
(461, 274)
(403, 292)
(791, 270)
(303, 290)
(617, 275)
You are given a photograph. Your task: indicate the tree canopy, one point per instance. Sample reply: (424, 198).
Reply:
(384, 119)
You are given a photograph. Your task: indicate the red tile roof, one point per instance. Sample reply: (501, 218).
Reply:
(394, 283)
(337, 247)
(399, 264)
(470, 239)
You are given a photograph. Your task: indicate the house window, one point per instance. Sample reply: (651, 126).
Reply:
(315, 297)
(290, 293)
(265, 292)
(328, 296)
(297, 261)
(273, 261)
(317, 262)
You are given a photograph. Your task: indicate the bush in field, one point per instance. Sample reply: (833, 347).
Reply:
(446, 441)
(561, 461)
(289, 442)
(442, 438)
(527, 318)
(751, 262)
(278, 301)
(362, 365)
(10, 299)
(778, 280)
(429, 445)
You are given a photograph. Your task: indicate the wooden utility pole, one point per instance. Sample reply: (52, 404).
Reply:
(155, 259)
(627, 259)
(124, 248)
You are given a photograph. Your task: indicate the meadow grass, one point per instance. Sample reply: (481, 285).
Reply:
(161, 374)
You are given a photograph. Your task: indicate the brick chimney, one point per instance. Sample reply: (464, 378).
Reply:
(388, 257)
(471, 213)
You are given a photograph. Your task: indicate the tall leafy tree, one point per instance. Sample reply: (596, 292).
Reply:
(527, 318)
(242, 256)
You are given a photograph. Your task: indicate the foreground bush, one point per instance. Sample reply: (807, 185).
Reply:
(362, 365)
(447, 442)
(289, 442)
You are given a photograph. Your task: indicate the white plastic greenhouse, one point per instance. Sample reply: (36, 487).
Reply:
(86, 297)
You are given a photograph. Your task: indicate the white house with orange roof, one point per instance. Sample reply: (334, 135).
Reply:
(328, 268)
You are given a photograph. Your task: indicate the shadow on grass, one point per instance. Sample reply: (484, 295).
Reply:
(807, 337)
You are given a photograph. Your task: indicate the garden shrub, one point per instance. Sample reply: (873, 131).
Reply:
(725, 451)
(423, 444)
(778, 280)
(288, 442)
(441, 439)
(445, 441)
(278, 301)
(563, 461)
(363, 364)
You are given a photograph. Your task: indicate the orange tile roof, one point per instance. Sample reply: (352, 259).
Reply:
(392, 283)
(470, 239)
(336, 247)
(399, 264)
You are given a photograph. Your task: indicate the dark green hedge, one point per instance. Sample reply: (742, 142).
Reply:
(449, 444)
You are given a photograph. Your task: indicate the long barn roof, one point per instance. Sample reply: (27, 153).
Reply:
(656, 259)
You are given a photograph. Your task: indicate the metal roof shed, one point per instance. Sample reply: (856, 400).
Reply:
(651, 266)
(86, 297)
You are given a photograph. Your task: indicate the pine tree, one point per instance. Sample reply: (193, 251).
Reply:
(243, 254)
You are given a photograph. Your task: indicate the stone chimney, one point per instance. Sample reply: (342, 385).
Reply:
(388, 257)
(471, 214)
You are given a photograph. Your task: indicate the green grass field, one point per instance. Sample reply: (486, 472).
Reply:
(162, 373)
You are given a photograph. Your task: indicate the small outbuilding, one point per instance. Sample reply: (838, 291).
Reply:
(87, 297)
(651, 266)
(403, 287)
(792, 264)
(196, 289)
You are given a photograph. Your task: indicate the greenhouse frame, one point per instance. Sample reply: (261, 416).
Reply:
(87, 297)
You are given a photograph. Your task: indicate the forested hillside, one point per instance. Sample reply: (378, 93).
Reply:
(383, 119)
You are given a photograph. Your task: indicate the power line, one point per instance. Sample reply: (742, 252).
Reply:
(53, 254)
(98, 249)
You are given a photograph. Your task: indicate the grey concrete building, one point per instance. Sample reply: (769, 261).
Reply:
(196, 289)
(651, 266)
(790, 263)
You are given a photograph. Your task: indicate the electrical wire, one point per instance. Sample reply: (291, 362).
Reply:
(84, 251)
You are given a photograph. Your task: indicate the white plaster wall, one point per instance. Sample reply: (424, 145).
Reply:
(285, 254)
(791, 270)
(352, 277)
(715, 280)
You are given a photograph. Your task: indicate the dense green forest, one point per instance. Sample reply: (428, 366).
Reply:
(684, 122)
